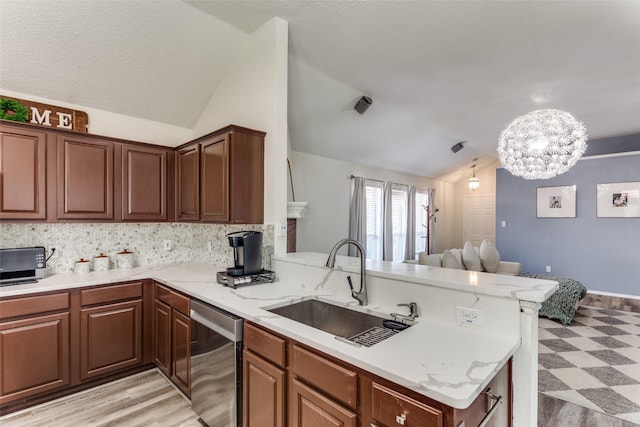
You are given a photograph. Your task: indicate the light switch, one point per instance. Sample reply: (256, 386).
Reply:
(504, 223)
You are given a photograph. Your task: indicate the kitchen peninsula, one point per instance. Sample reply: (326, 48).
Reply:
(440, 358)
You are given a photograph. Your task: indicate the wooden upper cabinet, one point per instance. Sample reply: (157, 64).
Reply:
(230, 177)
(85, 178)
(22, 173)
(188, 184)
(144, 183)
(214, 179)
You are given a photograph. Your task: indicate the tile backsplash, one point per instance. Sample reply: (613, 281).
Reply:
(189, 242)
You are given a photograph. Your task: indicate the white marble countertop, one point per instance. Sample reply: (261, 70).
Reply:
(446, 362)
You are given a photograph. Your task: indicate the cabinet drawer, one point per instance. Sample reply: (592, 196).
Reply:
(111, 293)
(27, 305)
(391, 408)
(176, 300)
(265, 344)
(325, 375)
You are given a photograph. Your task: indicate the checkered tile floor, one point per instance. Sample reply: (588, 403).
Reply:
(594, 362)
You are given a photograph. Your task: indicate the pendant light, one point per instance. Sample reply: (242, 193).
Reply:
(474, 183)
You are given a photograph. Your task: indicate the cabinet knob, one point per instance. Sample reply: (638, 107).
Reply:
(400, 419)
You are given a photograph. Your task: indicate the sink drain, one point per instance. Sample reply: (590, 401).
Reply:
(372, 336)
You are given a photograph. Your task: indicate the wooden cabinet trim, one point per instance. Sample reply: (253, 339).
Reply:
(267, 345)
(181, 351)
(29, 305)
(110, 293)
(332, 379)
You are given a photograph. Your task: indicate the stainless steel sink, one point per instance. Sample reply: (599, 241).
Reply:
(335, 320)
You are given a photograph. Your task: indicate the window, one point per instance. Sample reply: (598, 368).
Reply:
(375, 219)
(373, 195)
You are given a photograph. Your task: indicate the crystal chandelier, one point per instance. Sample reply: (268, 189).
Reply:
(474, 183)
(542, 144)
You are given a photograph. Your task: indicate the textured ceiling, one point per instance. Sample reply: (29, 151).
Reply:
(438, 72)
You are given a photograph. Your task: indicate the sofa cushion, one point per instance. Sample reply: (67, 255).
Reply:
(433, 260)
(470, 258)
(449, 260)
(489, 256)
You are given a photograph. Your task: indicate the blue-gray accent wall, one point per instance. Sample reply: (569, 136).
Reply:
(602, 253)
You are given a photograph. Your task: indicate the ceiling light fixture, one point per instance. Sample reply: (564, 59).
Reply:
(474, 183)
(542, 144)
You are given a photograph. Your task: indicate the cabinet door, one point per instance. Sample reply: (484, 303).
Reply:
(34, 355)
(246, 178)
(181, 346)
(263, 392)
(144, 183)
(214, 179)
(310, 408)
(188, 185)
(22, 173)
(110, 338)
(85, 179)
(162, 336)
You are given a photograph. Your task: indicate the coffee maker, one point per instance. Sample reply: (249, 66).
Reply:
(247, 253)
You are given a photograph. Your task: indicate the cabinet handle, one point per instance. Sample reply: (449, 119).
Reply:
(400, 419)
(493, 402)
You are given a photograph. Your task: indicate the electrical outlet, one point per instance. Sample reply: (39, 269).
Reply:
(167, 245)
(548, 269)
(209, 246)
(468, 315)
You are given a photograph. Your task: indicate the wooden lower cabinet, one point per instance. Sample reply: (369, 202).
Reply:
(181, 346)
(34, 356)
(326, 392)
(310, 408)
(162, 336)
(264, 392)
(111, 338)
(172, 336)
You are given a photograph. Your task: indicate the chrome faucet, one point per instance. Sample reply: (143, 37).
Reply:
(361, 295)
(413, 313)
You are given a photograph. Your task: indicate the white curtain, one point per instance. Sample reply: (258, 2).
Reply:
(410, 242)
(431, 193)
(358, 215)
(387, 222)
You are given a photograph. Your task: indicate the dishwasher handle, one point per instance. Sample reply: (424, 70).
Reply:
(226, 324)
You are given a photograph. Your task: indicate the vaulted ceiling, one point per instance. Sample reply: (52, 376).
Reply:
(439, 72)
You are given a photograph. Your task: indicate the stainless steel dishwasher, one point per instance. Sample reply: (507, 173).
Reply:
(216, 365)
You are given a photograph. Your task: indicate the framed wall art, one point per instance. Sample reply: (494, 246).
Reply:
(618, 200)
(556, 202)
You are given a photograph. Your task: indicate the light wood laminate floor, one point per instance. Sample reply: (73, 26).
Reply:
(145, 399)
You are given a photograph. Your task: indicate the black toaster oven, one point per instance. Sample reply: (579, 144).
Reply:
(21, 265)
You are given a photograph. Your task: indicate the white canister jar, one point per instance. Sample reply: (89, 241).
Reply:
(101, 262)
(82, 266)
(124, 259)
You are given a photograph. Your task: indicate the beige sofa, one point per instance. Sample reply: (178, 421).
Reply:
(486, 258)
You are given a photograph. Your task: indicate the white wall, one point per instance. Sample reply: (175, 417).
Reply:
(325, 184)
(253, 94)
(107, 123)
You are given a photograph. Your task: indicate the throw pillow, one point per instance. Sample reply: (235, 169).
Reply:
(449, 260)
(489, 256)
(432, 260)
(470, 258)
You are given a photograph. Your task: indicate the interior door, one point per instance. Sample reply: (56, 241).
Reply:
(479, 218)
